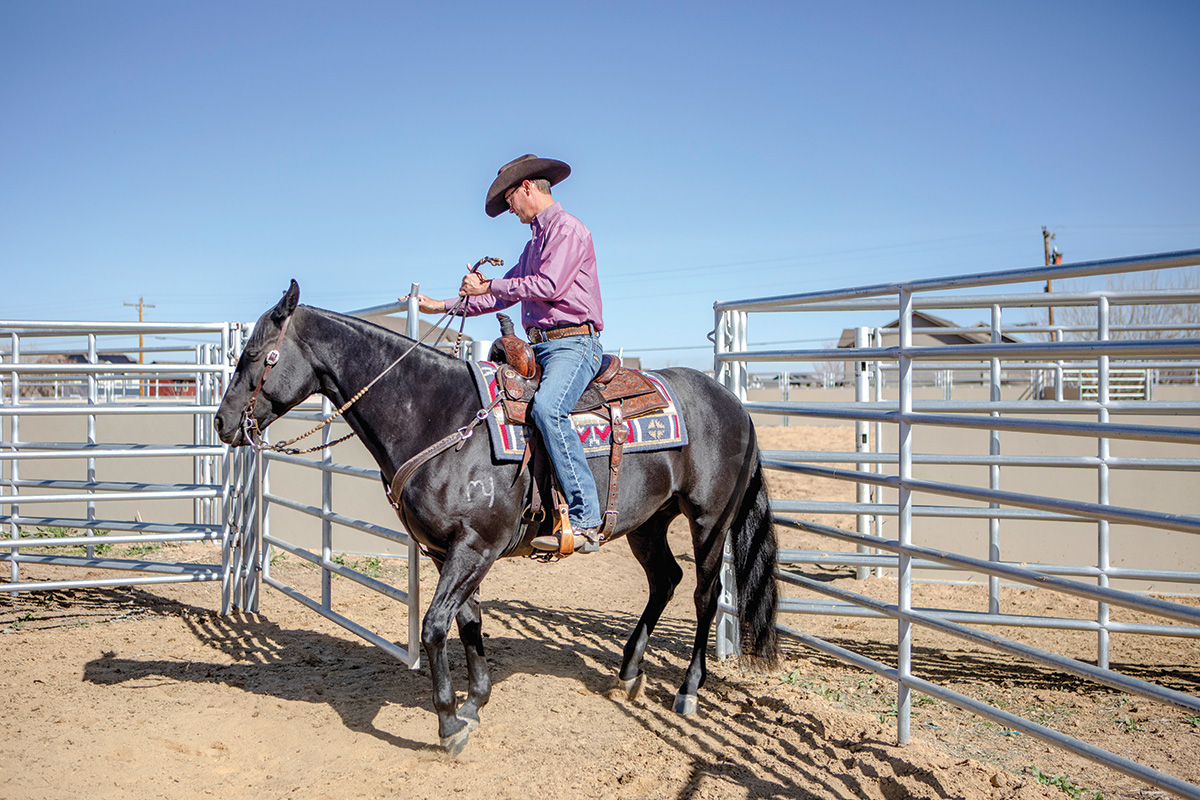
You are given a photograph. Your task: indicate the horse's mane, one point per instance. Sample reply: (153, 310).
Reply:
(373, 329)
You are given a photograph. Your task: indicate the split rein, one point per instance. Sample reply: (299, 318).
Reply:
(250, 425)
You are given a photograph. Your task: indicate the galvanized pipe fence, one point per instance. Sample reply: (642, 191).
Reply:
(888, 479)
(60, 383)
(326, 560)
(71, 369)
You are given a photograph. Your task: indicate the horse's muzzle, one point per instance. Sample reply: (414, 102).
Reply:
(229, 434)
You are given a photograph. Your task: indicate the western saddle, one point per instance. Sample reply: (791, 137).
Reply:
(617, 393)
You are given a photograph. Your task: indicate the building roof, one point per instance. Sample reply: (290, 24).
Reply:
(399, 324)
(926, 325)
(102, 358)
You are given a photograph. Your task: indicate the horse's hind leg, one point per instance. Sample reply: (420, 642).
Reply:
(649, 546)
(479, 679)
(709, 552)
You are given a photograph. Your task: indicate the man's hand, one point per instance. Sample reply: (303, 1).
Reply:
(474, 285)
(427, 305)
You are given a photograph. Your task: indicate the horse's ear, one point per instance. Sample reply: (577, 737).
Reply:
(287, 304)
(291, 297)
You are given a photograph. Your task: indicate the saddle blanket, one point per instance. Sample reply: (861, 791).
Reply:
(659, 430)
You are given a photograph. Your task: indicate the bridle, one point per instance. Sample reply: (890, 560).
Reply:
(250, 427)
(249, 423)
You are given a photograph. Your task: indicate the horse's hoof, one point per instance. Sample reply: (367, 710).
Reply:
(686, 704)
(469, 716)
(456, 742)
(634, 686)
(627, 689)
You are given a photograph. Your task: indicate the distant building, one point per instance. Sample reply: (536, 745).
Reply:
(925, 332)
(399, 324)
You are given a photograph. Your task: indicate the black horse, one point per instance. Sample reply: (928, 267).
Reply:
(716, 480)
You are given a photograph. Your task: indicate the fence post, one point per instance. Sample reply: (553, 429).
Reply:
(413, 330)
(725, 339)
(904, 629)
(1102, 451)
(91, 440)
(862, 491)
(994, 470)
(14, 466)
(326, 510)
(785, 394)
(260, 557)
(876, 493)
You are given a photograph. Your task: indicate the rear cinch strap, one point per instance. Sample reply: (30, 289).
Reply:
(618, 436)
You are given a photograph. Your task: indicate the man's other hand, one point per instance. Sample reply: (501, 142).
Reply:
(427, 305)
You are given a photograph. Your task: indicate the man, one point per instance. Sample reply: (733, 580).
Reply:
(556, 283)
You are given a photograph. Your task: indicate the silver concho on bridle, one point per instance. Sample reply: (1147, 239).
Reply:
(250, 427)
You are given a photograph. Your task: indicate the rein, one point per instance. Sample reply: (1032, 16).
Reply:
(250, 425)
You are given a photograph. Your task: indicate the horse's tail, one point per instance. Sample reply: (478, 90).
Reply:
(754, 557)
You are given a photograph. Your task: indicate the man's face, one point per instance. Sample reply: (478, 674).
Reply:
(520, 202)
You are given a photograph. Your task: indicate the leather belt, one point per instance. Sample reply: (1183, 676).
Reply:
(538, 335)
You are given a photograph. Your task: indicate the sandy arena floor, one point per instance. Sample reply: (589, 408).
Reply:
(149, 693)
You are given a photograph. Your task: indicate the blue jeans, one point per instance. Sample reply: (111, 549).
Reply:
(568, 365)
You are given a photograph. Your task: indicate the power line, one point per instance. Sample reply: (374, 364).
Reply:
(643, 274)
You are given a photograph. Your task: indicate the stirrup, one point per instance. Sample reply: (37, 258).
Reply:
(578, 543)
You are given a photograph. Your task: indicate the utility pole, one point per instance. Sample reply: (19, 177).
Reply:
(1052, 257)
(141, 307)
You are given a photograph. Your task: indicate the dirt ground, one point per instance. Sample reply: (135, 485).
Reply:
(148, 693)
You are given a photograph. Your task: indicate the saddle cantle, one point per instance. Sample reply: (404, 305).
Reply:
(519, 376)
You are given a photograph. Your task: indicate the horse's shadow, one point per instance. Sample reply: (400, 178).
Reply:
(358, 680)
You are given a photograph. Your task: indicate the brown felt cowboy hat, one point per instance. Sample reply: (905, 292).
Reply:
(516, 172)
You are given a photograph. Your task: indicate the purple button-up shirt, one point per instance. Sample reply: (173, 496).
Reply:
(555, 279)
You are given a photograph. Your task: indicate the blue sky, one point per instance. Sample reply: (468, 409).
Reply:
(199, 155)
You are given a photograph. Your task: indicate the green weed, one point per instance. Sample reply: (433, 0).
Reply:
(1130, 725)
(828, 692)
(57, 532)
(136, 550)
(1064, 784)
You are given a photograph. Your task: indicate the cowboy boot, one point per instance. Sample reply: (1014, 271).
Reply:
(586, 540)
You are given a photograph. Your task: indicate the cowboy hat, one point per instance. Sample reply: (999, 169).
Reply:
(517, 172)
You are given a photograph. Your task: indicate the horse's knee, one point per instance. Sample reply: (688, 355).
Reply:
(434, 631)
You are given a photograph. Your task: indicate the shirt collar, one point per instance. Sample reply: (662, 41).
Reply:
(543, 219)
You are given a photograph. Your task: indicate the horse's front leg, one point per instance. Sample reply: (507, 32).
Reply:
(461, 573)
(479, 678)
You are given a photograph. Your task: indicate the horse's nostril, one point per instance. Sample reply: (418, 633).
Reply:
(218, 424)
